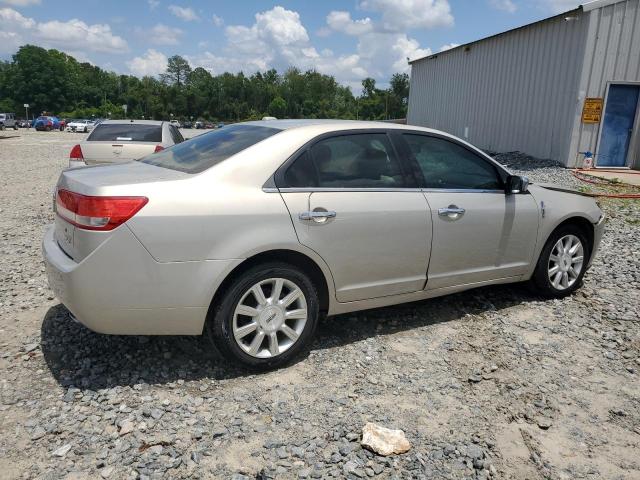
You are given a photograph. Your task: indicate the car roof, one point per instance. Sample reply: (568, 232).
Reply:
(329, 125)
(139, 122)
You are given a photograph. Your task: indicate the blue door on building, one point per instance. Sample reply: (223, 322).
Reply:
(617, 125)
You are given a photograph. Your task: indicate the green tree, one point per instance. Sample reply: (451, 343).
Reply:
(178, 70)
(278, 107)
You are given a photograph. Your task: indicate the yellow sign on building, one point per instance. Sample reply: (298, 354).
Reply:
(592, 110)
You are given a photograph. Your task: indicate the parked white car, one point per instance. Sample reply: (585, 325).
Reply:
(117, 141)
(82, 126)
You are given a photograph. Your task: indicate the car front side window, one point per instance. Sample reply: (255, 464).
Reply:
(448, 165)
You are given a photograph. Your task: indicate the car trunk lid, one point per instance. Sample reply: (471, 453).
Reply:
(127, 180)
(115, 151)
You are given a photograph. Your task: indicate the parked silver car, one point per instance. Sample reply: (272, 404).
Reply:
(116, 141)
(251, 232)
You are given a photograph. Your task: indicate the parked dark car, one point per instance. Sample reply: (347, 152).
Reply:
(48, 123)
(187, 124)
(198, 125)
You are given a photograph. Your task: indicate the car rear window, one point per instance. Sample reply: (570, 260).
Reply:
(209, 149)
(126, 132)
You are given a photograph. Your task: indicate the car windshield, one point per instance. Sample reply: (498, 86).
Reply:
(126, 132)
(205, 151)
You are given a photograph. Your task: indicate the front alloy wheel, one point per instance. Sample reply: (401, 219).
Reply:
(265, 316)
(562, 263)
(565, 262)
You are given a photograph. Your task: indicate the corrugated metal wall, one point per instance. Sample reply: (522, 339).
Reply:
(514, 91)
(612, 54)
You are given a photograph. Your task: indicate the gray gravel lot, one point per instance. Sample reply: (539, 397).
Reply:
(492, 383)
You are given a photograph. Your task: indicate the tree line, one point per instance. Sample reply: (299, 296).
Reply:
(54, 82)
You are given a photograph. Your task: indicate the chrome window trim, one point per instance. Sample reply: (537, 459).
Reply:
(461, 190)
(345, 189)
(425, 190)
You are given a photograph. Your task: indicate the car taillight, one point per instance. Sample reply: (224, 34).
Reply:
(97, 213)
(159, 148)
(76, 153)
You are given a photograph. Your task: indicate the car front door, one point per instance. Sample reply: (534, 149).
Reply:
(480, 233)
(352, 201)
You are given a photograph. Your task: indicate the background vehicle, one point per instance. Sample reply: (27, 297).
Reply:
(48, 123)
(8, 120)
(187, 124)
(82, 126)
(199, 125)
(175, 123)
(114, 141)
(209, 125)
(24, 123)
(252, 230)
(220, 125)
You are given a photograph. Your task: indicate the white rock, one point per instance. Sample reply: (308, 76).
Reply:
(126, 427)
(62, 451)
(384, 441)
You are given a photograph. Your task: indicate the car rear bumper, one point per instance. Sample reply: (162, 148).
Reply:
(120, 289)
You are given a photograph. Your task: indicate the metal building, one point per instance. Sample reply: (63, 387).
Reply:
(552, 89)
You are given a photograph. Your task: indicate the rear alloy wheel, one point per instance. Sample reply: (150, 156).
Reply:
(267, 316)
(562, 263)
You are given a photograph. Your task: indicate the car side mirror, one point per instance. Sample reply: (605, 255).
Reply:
(516, 184)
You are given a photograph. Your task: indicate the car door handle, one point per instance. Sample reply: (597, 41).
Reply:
(316, 215)
(452, 211)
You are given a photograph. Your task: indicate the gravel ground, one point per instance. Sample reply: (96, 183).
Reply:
(491, 383)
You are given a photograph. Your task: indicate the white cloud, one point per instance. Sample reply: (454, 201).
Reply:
(505, 5)
(402, 15)
(21, 3)
(217, 21)
(97, 38)
(449, 46)
(184, 13)
(71, 36)
(559, 6)
(151, 63)
(153, 4)
(161, 34)
(341, 21)
(278, 39)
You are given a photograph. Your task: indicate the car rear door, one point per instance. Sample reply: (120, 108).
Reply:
(353, 202)
(479, 232)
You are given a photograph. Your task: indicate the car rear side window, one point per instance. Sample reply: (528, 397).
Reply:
(126, 132)
(204, 151)
(348, 161)
(447, 165)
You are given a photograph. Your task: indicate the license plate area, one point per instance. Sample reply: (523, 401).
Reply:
(64, 233)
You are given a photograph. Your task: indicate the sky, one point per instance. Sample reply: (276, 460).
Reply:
(349, 39)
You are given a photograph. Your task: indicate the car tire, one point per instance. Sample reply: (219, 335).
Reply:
(249, 339)
(15, 127)
(562, 263)
(1, 127)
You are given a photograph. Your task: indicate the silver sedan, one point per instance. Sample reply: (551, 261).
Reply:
(253, 231)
